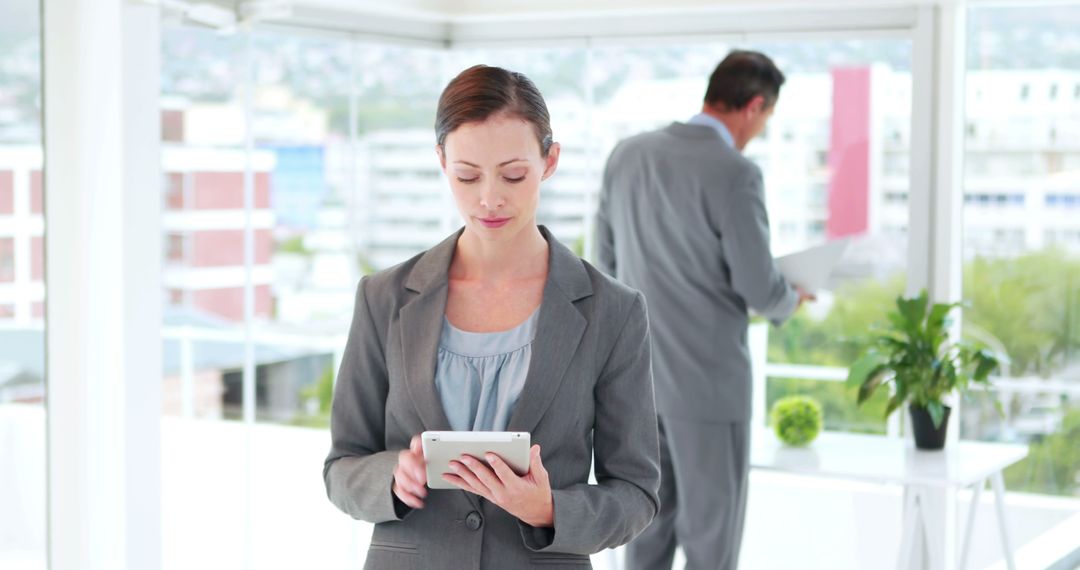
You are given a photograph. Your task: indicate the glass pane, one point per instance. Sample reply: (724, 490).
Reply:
(1022, 235)
(401, 202)
(344, 169)
(835, 162)
(23, 514)
(203, 162)
(301, 122)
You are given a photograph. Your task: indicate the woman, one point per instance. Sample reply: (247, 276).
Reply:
(499, 327)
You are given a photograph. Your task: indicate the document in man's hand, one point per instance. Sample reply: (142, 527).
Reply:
(810, 268)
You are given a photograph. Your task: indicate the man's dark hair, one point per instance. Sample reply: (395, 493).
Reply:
(740, 77)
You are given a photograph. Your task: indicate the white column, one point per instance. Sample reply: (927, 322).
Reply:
(103, 202)
(143, 204)
(947, 203)
(937, 151)
(936, 201)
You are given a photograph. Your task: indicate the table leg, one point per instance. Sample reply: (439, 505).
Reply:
(933, 531)
(998, 484)
(908, 527)
(613, 559)
(970, 523)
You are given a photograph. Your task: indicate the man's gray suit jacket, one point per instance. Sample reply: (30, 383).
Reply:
(682, 219)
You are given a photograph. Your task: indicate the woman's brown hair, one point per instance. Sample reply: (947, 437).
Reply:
(482, 91)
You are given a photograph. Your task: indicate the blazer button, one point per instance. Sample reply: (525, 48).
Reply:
(473, 520)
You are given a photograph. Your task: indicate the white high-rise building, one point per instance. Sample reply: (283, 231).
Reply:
(836, 162)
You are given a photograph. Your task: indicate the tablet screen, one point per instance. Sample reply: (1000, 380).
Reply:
(440, 447)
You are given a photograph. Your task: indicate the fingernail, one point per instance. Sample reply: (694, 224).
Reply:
(490, 457)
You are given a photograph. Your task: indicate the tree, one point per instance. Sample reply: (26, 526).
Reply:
(322, 391)
(1030, 305)
(839, 338)
(1053, 462)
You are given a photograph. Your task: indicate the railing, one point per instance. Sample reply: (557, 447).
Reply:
(758, 340)
(187, 336)
(763, 370)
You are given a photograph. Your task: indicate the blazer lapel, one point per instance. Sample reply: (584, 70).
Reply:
(558, 334)
(421, 325)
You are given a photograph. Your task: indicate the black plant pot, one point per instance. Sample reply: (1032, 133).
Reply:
(926, 435)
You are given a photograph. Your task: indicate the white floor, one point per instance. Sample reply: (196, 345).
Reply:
(211, 495)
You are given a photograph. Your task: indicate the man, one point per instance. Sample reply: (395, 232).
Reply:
(682, 219)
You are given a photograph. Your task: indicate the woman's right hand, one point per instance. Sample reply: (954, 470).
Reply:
(410, 475)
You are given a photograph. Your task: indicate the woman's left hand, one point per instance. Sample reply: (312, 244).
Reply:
(527, 497)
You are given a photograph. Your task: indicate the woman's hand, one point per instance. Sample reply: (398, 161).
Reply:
(527, 497)
(410, 475)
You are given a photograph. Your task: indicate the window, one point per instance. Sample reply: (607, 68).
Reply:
(23, 514)
(814, 193)
(346, 182)
(1023, 285)
(7, 260)
(833, 144)
(176, 248)
(175, 187)
(896, 198)
(343, 181)
(203, 161)
(401, 204)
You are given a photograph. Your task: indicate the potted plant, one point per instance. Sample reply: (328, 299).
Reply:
(914, 354)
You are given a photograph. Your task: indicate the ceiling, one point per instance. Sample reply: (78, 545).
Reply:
(453, 21)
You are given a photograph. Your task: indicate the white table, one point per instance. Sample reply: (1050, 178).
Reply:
(880, 459)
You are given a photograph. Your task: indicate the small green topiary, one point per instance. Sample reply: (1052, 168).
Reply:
(796, 419)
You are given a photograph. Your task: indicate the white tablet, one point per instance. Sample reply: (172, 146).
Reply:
(442, 446)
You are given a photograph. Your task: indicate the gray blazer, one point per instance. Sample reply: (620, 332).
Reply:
(588, 396)
(682, 219)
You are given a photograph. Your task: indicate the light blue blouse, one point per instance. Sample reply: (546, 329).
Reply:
(479, 376)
